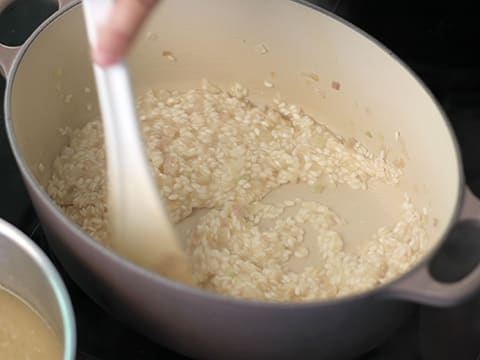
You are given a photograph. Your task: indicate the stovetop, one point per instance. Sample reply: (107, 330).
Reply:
(437, 39)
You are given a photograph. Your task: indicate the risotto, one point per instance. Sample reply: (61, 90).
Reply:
(218, 151)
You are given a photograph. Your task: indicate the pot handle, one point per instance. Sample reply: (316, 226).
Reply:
(421, 287)
(8, 53)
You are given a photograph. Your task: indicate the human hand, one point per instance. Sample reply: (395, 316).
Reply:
(118, 33)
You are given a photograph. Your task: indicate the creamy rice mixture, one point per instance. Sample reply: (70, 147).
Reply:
(217, 150)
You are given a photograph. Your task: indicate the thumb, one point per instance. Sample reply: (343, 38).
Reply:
(117, 34)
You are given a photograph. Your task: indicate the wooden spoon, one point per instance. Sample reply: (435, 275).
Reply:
(140, 228)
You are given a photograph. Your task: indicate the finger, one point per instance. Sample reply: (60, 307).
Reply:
(117, 34)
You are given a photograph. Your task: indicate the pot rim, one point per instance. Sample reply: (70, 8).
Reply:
(192, 291)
